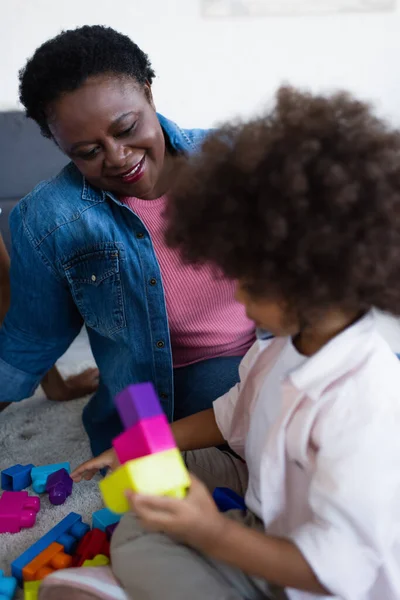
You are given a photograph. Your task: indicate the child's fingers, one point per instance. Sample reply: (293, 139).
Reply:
(90, 474)
(85, 471)
(159, 504)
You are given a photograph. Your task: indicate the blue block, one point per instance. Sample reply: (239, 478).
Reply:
(16, 478)
(103, 518)
(8, 585)
(67, 533)
(40, 474)
(227, 499)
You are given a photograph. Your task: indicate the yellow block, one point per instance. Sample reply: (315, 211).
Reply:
(100, 560)
(31, 589)
(160, 474)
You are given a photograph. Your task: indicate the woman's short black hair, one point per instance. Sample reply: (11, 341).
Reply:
(302, 204)
(63, 64)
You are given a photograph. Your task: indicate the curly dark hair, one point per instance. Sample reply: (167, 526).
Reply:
(301, 204)
(63, 64)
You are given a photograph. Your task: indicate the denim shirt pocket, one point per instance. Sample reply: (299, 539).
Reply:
(94, 276)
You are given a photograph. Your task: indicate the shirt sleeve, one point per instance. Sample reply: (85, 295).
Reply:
(42, 320)
(354, 498)
(225, 406)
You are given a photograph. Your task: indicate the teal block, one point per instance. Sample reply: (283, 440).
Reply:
(40, 474)
(8, 585)
(103, 518)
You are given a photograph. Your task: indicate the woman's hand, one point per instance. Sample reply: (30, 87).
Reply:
(107, 460)
(195, 520)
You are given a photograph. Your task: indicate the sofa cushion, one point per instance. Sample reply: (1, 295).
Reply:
(26, 158)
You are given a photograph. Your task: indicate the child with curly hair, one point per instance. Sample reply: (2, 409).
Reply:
(301, 208)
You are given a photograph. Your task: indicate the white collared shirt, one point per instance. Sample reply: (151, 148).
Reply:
(330, 464)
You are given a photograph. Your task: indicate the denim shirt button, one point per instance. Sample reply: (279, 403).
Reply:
(140, 235)
(160, 344)
(163, 396)
(153, 281)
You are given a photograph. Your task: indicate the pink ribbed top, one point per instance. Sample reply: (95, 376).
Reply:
(205, 321)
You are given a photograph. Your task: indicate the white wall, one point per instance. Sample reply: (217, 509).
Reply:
(212, 70)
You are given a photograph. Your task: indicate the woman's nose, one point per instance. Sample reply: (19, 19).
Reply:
(116, 156)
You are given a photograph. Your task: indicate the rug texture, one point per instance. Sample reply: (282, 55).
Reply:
(41, 432)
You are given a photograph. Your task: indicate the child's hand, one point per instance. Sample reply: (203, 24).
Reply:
(194, 520)
(89, 469)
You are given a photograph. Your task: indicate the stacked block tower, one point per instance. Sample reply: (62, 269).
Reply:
(150, 461)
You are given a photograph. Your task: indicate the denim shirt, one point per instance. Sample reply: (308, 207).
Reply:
(80, 256)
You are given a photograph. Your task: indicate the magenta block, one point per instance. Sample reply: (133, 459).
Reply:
(59, 486)
(146, 437)
(137, 402)
(17, 510)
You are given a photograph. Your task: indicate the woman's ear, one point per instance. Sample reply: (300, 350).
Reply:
(149, 94)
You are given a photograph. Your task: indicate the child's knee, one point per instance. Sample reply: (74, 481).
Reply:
(128, 530)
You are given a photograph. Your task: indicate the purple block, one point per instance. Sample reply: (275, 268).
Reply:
(137, 402)
(110, 529)
(59, 486)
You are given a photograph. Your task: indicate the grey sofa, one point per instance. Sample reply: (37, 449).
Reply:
(26, 158)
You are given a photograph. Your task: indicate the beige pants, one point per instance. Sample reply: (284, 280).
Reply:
(151, 566)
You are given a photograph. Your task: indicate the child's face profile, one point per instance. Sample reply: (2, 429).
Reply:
(269, 314)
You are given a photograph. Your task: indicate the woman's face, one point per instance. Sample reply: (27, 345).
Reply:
(109, 129)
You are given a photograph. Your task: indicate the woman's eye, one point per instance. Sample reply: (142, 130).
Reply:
(89, 155)
(126, 131)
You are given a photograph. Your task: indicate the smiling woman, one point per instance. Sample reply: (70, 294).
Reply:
(88, 245)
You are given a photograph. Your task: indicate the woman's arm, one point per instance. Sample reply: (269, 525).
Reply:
(54, 386)
(4, 290)
(4, 280)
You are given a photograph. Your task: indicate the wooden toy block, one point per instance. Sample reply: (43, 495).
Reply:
(51, 559)
(93, 543)
(161, 474)
(98, 561)
(137, 402)
(17, 510)
(16, 478)
(67, 533)
(40, 474)
(103, 518)
(59, 486)
(8, 586)
(31, 590)
(149, 436)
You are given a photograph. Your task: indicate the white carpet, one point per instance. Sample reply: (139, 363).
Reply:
(41, 432)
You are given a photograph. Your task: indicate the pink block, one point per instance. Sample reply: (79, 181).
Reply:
(149, 436)
(17, 510)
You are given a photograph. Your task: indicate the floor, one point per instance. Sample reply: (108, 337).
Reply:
(41, 432)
